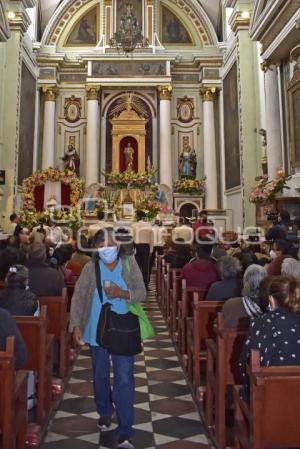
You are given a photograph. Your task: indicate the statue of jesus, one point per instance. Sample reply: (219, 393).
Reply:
(129, 152)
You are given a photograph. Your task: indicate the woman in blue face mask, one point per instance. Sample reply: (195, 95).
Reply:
(122, 282)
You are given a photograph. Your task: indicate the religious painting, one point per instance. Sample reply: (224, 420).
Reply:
(85, 32)
(129, 8)
(108, 69)
(26, 132)
(294, 113)
(231, 127)
(173, 30)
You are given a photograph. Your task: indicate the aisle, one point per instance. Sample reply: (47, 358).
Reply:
(165, 415)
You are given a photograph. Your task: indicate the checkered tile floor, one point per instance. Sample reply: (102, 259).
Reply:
(165, 414)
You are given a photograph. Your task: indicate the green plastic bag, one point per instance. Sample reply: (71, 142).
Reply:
(147, 330)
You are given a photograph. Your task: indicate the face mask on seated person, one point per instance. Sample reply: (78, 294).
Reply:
(108, 254)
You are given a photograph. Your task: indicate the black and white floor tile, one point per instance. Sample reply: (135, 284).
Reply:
(165, 414)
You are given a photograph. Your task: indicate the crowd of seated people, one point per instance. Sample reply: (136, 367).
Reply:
(258, 280)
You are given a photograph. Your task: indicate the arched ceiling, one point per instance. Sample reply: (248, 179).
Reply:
(47, 8)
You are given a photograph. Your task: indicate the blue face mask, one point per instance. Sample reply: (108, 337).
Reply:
(108, 254)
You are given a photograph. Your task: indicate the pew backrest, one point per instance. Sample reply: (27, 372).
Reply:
(275, 403)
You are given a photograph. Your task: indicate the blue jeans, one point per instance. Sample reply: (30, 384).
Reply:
(122, 395)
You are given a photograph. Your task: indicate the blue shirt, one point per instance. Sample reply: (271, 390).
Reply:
(118, 305)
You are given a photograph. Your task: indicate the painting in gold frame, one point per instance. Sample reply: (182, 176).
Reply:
(294, 119)
(173, 31)
(85, 32)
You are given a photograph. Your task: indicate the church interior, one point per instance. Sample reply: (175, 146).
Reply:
(175, 126)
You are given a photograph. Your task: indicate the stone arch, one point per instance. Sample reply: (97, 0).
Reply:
(72, 9)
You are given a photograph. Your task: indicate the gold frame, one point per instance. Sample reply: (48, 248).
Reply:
(295, 87)
(193, 44)
(128, 124)
(75, 24)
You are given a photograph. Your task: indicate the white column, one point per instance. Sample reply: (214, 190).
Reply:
(273, 123)
(209, 137)
(36, 131)
(48, 149)
(92, 136)
(165, 152)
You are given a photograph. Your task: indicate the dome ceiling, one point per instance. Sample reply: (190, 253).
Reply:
(47, 8)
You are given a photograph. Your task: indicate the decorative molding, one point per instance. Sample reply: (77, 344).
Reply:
(60, 19)
(165, 92)
(92, 92)
(185, 109)
(72, 109)
(295, 56)
(208, 93)
(237, 22)
(50, 93)
(20, 22)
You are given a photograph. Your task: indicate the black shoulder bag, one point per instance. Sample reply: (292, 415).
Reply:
(120, 334)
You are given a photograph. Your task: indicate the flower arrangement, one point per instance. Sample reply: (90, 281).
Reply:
(130, 178)
(39, 178)
(149, 206)
(69, 218)
(266, 190)
(190, 186)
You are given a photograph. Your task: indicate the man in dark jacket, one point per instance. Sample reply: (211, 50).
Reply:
(43, 280)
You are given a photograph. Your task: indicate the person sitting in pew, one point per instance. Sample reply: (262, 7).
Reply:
(240, 309)
(79, 257)
(179, 253)
(43, 280)
(8, 328)
(16, 298)
(291, 267)
(10, 256)
(201, 272)
(59, 260)
(276, 333)
(230, 284)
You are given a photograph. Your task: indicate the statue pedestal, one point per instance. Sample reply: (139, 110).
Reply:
(184, 203)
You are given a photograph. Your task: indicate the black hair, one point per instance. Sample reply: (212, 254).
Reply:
(204, 249)
(102, 235)
(13, 217)
(282, 245)
(285, 215)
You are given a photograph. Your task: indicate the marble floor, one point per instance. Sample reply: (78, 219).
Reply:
(165, 414)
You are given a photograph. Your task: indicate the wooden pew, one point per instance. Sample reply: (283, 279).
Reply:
(57, 325)
(271, 419)
(158, 267)
(175, 295)
(39, 346)
(162, 285)
(13, 400)
(222, 371)
(166, 279)
(199, 328)
(185, 311)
